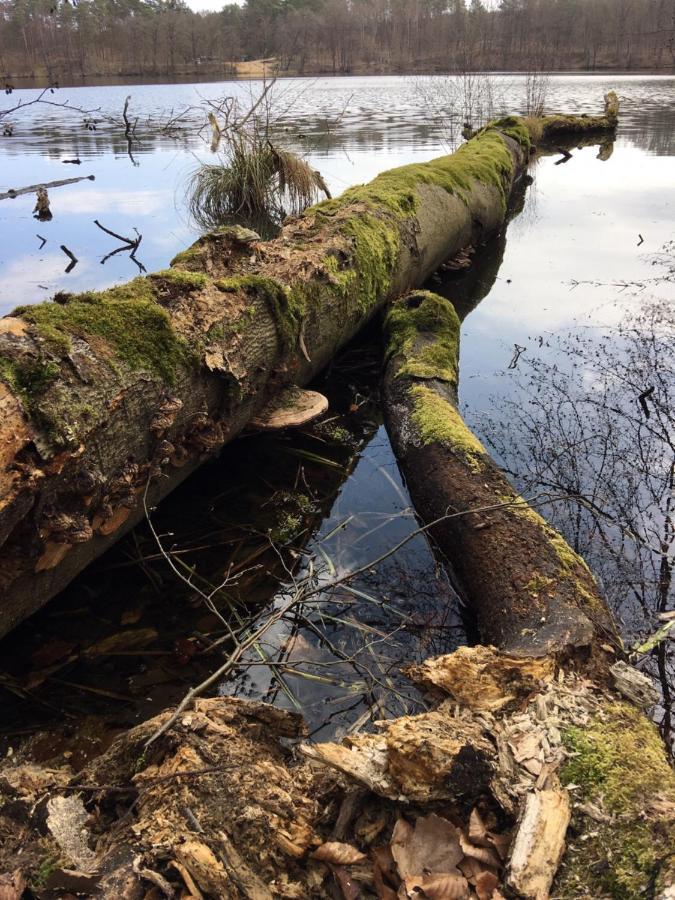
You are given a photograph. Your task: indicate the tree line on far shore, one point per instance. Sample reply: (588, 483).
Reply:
(60, 39)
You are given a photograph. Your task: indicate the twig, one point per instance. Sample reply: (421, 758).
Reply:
(302, 594)
(43, 239)
(73, 259)
(119, 237)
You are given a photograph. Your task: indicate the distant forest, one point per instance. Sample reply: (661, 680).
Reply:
(70, 39)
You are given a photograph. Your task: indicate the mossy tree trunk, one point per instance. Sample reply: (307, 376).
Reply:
(532, 594)
(105, 393)
(534, 598)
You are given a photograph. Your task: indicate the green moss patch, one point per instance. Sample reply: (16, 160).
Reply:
(423, 330)
(619, 763)
(437, 420)
(137, 330)
(486, 158)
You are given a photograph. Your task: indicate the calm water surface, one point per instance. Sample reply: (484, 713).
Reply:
(580, 223)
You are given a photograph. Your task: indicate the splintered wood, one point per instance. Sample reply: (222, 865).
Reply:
(539, 843)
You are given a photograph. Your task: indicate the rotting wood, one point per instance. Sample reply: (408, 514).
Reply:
(531, 593)
(220, 805)
(539, 843)
(151, 378)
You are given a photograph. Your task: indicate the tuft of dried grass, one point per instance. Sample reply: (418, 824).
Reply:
(254, 181)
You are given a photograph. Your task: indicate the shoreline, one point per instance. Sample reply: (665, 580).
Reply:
(32, 82)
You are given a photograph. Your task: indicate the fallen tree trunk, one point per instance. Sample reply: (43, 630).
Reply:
(100, 392)
(107, 398)
(532, 594)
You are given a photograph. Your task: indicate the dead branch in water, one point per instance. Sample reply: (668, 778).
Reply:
(32, 188)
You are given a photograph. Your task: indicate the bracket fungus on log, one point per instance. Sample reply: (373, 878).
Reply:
(290, 408)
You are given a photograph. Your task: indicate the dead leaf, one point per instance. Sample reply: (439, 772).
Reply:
(477, 829)
(482, 854)
(431, 846)
(446, 886)
(526, 746)
(384, 892)
(501, 843)
(132, 639)
(12, 885)
(338, 854)
(349, 887)
(470, 869)
(486, 884)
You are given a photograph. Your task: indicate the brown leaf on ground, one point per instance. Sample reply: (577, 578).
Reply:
(431, 845)
(446, 886)
(486, 883)
(477, 831)
(483, 854)
(338, 854)
(12, 885)
(382, 874)
(349, 886)
(501, 843)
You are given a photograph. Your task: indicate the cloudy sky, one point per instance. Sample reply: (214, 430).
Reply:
(200, 5)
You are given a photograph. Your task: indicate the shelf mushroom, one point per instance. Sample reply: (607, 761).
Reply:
(290, 408)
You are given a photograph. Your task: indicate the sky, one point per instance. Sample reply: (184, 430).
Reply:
(201, 5)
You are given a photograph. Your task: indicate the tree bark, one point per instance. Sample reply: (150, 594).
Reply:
(110, 398)
(531, 593)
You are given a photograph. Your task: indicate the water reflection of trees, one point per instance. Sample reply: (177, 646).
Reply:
(593, 419)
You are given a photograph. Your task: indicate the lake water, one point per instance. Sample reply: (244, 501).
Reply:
(586, 228)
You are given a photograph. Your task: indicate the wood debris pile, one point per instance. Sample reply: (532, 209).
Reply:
(459, 802)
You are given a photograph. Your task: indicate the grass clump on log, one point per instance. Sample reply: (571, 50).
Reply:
(253, 182)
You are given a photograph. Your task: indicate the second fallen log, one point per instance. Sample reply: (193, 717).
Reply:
(532, 594)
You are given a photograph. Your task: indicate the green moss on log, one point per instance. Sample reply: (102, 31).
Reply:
(437, 420)
(485, 159)
(136, 331)
(618, 763)
(423, 330)
(181, 279)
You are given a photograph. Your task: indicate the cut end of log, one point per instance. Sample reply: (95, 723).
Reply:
(289, 409)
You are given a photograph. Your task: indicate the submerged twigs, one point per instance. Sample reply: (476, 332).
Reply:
(73, 259)
(128, 244)
(302, 592)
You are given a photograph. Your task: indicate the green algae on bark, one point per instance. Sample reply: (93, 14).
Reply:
(618, 763)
